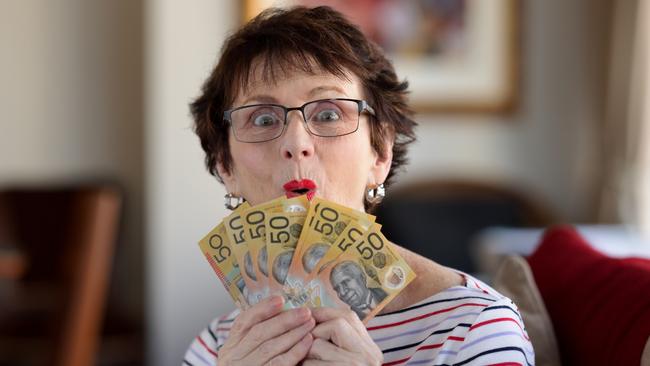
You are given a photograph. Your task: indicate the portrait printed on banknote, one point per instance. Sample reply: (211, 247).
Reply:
(349, 281)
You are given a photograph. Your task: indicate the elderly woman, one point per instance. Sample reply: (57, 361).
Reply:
(301, 102)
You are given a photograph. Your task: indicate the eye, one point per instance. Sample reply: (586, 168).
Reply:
(264, 120)
(325, 111)
(327, 115)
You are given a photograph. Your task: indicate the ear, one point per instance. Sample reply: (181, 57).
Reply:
(228, 177)
(381, 164)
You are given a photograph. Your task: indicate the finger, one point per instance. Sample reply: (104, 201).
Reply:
(339, 332)
(281, 343)
(273, 327)
(326, 351)
(255, 314)
(297, 353)
(328, 313)
(311, 362)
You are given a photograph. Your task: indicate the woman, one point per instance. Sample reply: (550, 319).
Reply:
(301, 102)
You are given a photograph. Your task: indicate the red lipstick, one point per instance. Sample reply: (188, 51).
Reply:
(296, 188)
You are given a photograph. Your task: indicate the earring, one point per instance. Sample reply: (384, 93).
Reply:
(376, 194)
(232, 201)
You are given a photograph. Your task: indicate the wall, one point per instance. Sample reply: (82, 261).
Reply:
(184, 202)
(550, 146)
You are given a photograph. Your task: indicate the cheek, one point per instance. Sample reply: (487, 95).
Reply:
(350, 162)
(249, 162)
(252, 171)
(358, 286)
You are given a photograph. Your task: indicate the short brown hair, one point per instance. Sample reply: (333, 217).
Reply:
(309, 40)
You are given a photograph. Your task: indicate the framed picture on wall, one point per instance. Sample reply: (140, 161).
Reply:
(458, 55)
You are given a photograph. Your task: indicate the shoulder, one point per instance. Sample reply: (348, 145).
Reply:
(498, 333)
(204, 349)
(470, 323)
(462, 301)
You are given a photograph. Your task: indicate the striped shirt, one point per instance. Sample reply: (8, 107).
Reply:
(462, 325)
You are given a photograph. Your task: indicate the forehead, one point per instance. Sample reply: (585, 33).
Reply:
(289, 83)
(343, 272)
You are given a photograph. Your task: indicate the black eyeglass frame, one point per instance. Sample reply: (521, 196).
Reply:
(361, 104)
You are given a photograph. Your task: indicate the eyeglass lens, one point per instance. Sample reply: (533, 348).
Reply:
(328, 118)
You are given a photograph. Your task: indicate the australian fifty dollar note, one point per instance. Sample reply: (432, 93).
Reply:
(253, 220)
(324, 223)
(365, 277)
(283, 230)
(218, 252)
(239, 243)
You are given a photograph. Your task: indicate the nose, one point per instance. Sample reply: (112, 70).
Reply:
(297, 142)
(341, 292)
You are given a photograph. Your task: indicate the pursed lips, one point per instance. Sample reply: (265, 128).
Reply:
(296, 188)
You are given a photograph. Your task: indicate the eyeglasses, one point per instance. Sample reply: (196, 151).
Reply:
(324, 117)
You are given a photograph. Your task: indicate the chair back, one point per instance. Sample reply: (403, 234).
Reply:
(53, 311)
(440, 218)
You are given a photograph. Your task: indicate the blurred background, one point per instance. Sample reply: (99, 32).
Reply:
(95, 135)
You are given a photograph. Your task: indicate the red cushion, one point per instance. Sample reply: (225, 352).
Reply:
(599, 306)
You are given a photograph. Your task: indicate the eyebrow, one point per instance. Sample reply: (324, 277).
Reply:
(260, 98)
(322, 89)
(265, 98)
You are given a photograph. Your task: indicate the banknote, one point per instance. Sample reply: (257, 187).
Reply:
(365, 277)
(218, 252)
(254, 222)
(239, 245)
(314, 253)
(282, 232)
(324, 223)
(353, 232)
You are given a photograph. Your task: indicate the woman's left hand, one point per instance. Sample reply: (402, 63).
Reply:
(340, 338)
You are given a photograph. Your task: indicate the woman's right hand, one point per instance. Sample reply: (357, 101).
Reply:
(266, 335)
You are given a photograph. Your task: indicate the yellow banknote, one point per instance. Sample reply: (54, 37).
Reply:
(218, 252)
(314, 253)
(282, 233)
(365, 277)
(353, 232)
(324, 223)
(238, 239)
(254, 222)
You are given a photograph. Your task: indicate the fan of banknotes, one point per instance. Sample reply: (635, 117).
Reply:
(314, 253)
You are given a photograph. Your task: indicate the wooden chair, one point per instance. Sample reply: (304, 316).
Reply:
(439, 218)
(52, 313)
